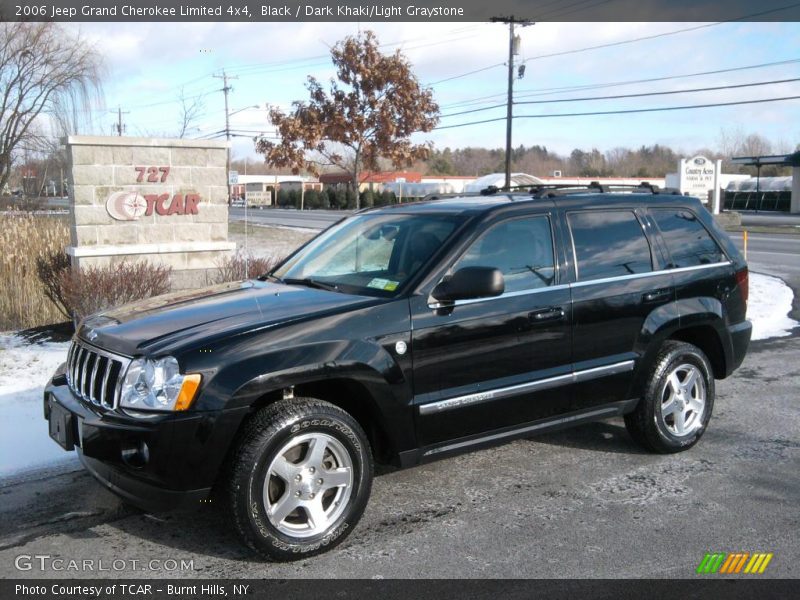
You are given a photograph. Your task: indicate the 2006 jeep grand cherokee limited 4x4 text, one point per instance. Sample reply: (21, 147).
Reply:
(402, 335)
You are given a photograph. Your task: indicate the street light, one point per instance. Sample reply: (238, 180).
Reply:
(228, 116)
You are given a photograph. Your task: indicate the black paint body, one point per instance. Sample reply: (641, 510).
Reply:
(253, 340)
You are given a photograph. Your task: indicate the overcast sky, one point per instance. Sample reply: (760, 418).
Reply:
(147, 64)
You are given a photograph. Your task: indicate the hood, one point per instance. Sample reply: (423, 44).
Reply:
(164, 323)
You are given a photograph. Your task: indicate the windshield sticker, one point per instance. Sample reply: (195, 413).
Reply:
(383, 284)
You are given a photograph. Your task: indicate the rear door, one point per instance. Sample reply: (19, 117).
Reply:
(618, 285)
(483, 365)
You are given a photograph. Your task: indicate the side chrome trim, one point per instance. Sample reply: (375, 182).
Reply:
(531, 386)
(580, 284)
(649, 274)
(607, 411)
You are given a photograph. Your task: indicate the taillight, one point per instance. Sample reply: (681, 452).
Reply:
(743, 281)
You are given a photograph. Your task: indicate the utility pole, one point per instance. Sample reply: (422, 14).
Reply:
(513, 48)
(225, 89)
(120, 127)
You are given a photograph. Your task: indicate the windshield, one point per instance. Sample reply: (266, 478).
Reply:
(370, 254)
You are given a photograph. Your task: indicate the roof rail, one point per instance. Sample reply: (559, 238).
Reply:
(564, 189)
(493, 189)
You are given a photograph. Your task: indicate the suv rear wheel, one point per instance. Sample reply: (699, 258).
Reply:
(300, 478)
(679, 398)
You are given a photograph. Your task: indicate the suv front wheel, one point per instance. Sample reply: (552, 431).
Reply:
(679, 398)
(300, 478)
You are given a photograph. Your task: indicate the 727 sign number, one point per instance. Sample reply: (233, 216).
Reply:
(152, 174)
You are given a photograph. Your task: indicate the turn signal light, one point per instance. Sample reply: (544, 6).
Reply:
(191, 383)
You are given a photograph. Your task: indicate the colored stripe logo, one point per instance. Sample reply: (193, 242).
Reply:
(734, 563)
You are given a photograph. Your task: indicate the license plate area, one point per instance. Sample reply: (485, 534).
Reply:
(63, 426)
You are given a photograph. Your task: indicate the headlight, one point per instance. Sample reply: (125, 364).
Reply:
(158, 385)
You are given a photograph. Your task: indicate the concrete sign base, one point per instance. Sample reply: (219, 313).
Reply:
(160, 200)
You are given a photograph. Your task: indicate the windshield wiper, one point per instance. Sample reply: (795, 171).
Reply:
(314, 283)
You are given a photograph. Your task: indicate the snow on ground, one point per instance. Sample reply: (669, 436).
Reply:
(769, 305)
(25, 369)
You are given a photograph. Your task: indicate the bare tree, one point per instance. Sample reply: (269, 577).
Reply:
(44, 70)
(191, 110)
(370, 113)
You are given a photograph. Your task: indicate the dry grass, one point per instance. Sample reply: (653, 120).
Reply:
(24, 238)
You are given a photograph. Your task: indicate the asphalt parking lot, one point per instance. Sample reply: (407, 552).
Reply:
(581, 503)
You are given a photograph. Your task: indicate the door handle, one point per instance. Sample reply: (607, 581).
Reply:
(546, 314)
(656, 295)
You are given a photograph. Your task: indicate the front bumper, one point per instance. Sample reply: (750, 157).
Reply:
(163, 462)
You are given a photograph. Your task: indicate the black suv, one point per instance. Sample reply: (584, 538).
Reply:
(402, 335)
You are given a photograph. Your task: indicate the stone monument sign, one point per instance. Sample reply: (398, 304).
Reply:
(160, 200)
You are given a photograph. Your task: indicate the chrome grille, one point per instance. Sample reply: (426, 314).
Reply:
(93, 374)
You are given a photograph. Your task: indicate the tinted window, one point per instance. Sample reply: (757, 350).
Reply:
(609, 244)
(522, 249)
(373, 253)
(687, 240)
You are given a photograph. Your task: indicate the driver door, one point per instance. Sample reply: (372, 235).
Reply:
(493, 363)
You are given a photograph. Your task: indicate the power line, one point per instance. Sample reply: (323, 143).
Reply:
(468, 73)
(623, 112)
(660, 35)
(619, 96)
(557, 13)
(663, 93)
(561, 90)
(624, 42)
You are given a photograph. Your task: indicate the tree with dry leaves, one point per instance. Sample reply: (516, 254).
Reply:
(369, 113)
(44, 71)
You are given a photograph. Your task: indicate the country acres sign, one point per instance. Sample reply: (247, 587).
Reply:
(131, 205)
(697, 176)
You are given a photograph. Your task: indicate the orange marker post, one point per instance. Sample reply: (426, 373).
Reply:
(745, 244)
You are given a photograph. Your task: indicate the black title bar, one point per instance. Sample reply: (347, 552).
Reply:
(394, 10)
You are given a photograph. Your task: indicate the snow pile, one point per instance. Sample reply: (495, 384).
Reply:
(24, 370)
(770, 303)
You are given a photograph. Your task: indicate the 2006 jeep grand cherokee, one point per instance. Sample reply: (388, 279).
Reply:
(402, 335)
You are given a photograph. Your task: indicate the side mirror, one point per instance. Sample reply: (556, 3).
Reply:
(470, 283)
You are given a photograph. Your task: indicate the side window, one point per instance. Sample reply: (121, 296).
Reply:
(521, 248)
(687, 240)
(609, 244)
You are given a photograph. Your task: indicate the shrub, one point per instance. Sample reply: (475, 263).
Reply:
(315, 199)
(367, 199)
(51, 267)
(232, 268)
(285, 199)
(92, 289)
(385, 198)
(24, 239)
(350, 196)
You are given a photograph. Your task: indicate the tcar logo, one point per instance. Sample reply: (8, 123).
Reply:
(126, 206)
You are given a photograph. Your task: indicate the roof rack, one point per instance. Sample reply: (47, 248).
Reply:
(550, 190)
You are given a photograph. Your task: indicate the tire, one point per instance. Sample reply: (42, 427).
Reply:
(282, 505)
(678, 401)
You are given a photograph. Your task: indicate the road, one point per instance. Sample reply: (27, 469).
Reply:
(581, 503)
(287, 217)
(770, 218)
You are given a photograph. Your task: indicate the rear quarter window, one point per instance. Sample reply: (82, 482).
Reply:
(608, 244)
(688, 242)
